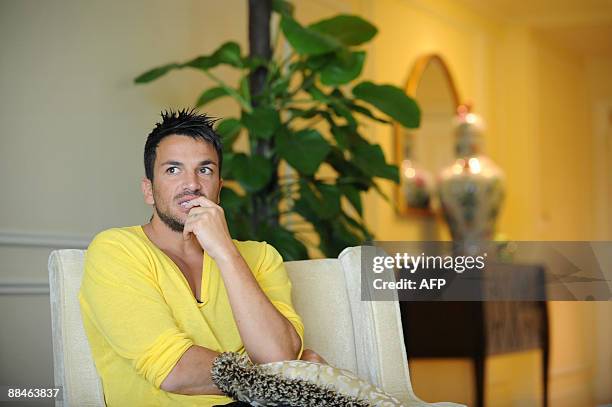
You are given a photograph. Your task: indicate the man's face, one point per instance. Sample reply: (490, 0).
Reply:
(184, 169)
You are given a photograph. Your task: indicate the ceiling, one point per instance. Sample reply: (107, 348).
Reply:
(582, 26)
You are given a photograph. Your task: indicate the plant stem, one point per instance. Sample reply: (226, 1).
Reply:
(264, 202)
(231, 91)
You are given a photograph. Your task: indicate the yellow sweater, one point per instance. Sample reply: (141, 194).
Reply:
(141, 316)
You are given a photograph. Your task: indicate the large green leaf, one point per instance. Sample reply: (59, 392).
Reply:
(341, 135)
(348, 29)
(301, 207)
(366, 112)
(229, 129)
(211, 94)
(336, 236)
(262, 122)
(155, 73)
(305, 114)
(337, 103)
(349, 173)
(343, 68)
(228, 165)
(364, 233)
(283, 7)
(228, 53)
(327, 244)
(317, 94)
(245, 91)
(254, 62)
(202, 62)
(239, 224)
(371, 159)
(230, 200)
(390, 100)
(285, 242)
(353, 195)
(307, 41)
(279, 87)
(341, 110)
(344, 235)
(252, 172)
(322, 199)
(316, 62)
(304, 150)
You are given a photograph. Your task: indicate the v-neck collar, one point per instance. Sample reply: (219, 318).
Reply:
(206, 270)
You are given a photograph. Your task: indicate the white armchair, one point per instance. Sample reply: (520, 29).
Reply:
(363, 337)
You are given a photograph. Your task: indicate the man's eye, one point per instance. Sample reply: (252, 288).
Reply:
(172, 170)
(205, 170)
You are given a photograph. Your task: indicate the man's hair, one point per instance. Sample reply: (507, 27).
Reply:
(185, 122)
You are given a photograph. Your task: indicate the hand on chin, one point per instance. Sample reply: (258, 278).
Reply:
(206, 220)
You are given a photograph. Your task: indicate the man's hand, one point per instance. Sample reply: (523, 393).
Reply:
(309, 355)
(206, 220)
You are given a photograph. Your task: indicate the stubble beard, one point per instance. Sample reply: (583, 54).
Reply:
(169, 220)
(173, 223)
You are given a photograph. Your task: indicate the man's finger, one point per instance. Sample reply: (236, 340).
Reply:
(201, 201)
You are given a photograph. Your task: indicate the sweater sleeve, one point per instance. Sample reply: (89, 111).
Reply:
(123, 302)
(275, 283)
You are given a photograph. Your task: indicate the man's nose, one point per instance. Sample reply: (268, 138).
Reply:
(191, 181)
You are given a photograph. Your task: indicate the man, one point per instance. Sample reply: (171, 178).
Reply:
(162, 300)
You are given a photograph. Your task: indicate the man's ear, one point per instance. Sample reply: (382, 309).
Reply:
(219, 193)
(147, 191)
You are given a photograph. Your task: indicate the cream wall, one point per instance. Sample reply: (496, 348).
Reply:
(599, 85)
(536, 100)
(72, 136)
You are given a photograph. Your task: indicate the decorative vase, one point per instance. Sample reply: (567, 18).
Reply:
(416, 182)
(471, 189)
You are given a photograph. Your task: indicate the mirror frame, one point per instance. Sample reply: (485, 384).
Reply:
(410, 89)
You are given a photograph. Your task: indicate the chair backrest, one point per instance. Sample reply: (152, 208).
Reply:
(361, 336)
(364, 337)
(73, 366)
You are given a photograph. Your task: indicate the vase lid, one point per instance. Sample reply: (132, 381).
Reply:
(469, 129)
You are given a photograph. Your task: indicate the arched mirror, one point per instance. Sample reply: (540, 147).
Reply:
(422, 152)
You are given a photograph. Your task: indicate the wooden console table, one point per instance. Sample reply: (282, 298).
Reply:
(475, 330)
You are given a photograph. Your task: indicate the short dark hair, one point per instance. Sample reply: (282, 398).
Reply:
(184, 122)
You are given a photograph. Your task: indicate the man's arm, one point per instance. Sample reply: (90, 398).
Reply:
(266, 334)
(258, 322)
(192, 373)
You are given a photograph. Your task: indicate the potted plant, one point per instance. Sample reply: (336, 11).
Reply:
(282, 98)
